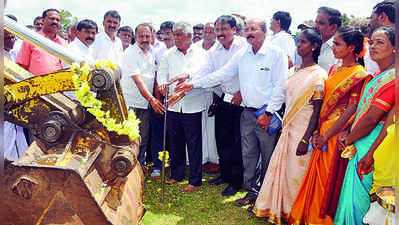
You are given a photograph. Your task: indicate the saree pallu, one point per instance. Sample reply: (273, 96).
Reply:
(286, 170)
(341, 86)
(354, 200)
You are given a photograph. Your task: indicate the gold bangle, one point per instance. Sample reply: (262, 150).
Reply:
(304, 141)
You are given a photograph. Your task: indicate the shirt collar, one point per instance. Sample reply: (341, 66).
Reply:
(136, 46)
(108, 38)
(329, 43)
(235, 43)
(80, 44)
(56, 39)
(278, 34)
(189, 50)
(261, 51)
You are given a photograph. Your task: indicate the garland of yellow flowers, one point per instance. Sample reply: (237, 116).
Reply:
(129, 127)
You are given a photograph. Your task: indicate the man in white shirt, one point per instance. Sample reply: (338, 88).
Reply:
(167, 33)
(383, 14)
(38, 23)
(227, 115)
(262, 71)
(328, 21)
(125, 33)
(210, 162)
(137, 83)
(157, 120)
(209, 37)
(198, 32)
(14, 138)
(280, 26)
(184, 117)
(82, 44)
(107, 46)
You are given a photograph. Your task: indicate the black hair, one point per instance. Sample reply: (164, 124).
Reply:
(314, 37)
(142, 25)
(12, 17)
(227, 19)
(113, 14)
(126, 29)
(284, 18)
(263, 26)
(37, 18)
(87, 24)
(389, 32)
(387, 7)
(49, 10)
(199, 26)
(167, 25)
(352, 36)
(335, 16)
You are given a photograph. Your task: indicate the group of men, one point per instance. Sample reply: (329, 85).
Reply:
(229, 80)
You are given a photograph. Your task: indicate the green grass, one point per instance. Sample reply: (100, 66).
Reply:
(204, 206)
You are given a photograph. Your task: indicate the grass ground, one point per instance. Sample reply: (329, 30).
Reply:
(204, 206)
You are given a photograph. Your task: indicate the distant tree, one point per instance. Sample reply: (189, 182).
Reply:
(347, 19)
(67, 19)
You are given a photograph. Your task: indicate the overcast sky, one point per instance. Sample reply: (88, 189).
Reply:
(134, 12)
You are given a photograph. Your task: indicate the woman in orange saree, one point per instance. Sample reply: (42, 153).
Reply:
(290, 158)
(342, 92)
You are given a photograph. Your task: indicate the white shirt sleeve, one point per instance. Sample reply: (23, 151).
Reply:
(279, 77)
(226, 72)
(163, 70)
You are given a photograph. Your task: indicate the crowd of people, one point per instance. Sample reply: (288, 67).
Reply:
(304, 123)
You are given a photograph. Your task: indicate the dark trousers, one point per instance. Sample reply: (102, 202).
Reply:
(228, 142)
(157, 123)
(144, 116)
(185, 128)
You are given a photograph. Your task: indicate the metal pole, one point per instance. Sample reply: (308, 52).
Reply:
(164, 145)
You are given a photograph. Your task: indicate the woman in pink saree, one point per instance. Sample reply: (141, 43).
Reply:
(289, 162)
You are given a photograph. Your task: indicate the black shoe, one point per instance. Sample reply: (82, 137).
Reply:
(247, 200)
(217, 181)
(251, 209)
(229, 190)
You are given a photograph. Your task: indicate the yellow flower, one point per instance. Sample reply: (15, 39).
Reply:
(161, 154)
(129, 127)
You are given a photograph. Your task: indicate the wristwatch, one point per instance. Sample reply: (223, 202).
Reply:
(268, 113)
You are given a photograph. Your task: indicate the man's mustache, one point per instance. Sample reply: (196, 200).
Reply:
(221, 36)
(111, 27)
(89, 39)
(55, 24)
(145, 43)
(250, 36)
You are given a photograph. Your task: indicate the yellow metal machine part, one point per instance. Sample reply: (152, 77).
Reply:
(75, 172)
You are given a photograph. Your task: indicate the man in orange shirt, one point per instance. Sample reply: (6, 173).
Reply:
(36, 60)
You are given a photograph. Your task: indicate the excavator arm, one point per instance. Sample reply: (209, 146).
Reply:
(76, 171)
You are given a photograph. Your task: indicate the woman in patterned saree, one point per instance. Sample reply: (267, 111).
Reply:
(342, 93)
(377, 99)
(290, 159)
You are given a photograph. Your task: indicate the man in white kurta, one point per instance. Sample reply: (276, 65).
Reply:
(14, 138)
(184, 117)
